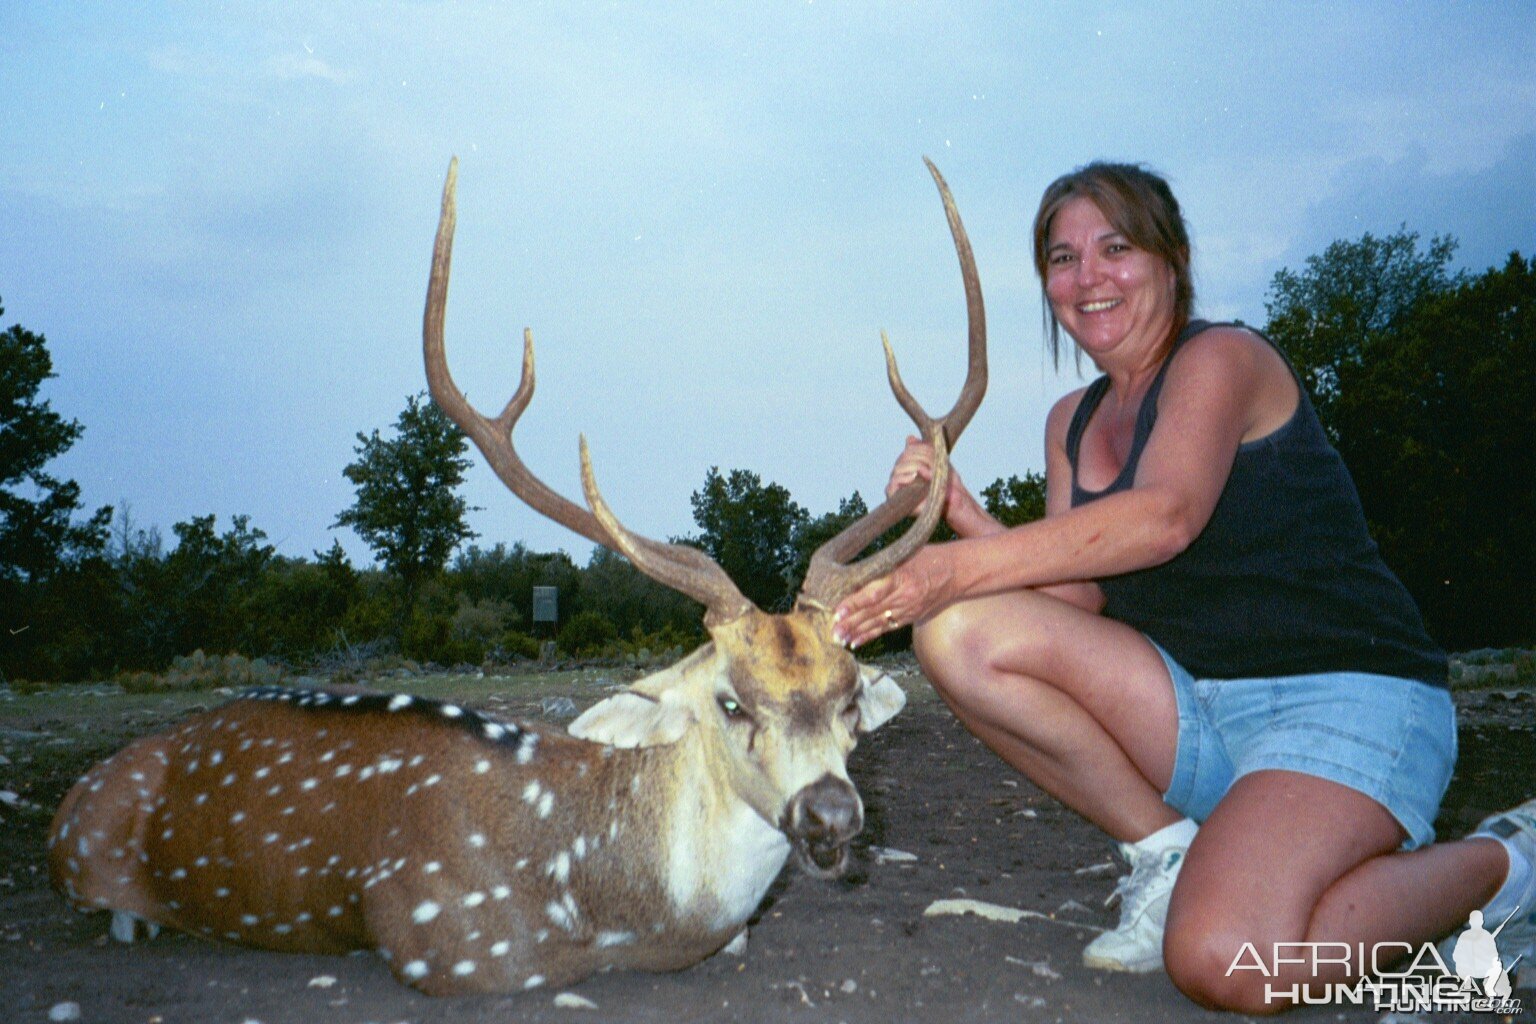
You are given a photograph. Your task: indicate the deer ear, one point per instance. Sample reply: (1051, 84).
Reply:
(631, 719)
(879, 698)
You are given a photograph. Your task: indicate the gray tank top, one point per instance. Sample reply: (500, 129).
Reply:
(1284, 579)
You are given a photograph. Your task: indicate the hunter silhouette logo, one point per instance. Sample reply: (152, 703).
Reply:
(1475, 957)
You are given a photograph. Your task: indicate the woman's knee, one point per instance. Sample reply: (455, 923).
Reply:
(957, 647)
(945, 638)
(1213, 962)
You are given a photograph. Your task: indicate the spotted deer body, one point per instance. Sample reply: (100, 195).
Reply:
(477, 854)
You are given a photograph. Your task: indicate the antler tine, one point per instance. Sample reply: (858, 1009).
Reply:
(682, 568)
(704, 580)
(829, 578)
(975, 387)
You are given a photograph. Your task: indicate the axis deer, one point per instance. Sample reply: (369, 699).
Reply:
(476, 854)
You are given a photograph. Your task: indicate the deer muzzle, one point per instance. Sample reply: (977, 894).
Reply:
(820, 821)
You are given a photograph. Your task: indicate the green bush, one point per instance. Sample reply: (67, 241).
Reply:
(514, 643)
(200, 671)
(586, 634)
(429, 636)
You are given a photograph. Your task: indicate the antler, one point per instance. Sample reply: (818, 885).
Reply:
(678, 566)
(831, 577)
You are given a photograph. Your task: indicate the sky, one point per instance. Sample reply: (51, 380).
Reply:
(220, 215)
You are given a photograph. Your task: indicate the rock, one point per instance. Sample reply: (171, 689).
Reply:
(571, 1001)
(64, 1012)
(990, 911)
(557, 708)
(886, 855)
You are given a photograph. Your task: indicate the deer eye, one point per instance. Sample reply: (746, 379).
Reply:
(850, 714)
(732, 709)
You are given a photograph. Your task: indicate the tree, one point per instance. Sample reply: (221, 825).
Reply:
(750, 529)
(1014, 502)
(636, 604)
(37, 531)
(208, 581)
(1439, 438)
(1422, 379)
(1349, 304)
(406, 508)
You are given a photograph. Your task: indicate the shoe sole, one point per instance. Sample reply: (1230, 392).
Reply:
(1121, 966)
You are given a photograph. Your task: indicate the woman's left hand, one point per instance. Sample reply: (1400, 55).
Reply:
(915, 590)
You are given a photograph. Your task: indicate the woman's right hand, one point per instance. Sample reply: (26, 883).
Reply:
(916, 463)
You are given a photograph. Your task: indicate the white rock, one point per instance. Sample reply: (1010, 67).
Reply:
(321, 981)
(886, 855)
(64, 1012)
(572, 1001)
(990, 911)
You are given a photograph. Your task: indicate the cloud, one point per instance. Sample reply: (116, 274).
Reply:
(1486, 209)
(293, 66)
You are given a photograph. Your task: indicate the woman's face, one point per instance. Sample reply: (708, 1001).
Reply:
(1109, 295)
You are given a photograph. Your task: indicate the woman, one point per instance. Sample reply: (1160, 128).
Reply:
(1198, 648)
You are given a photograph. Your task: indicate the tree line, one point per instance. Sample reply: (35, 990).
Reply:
(1422, 376)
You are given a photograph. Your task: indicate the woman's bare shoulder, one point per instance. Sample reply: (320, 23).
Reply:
(1060, 416)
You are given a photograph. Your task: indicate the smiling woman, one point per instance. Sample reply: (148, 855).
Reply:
(1130, 218)
(1199, 648)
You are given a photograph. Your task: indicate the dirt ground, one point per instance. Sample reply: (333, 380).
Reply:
(858, 950)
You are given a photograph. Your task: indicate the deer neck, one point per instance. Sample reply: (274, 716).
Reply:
(721, 854)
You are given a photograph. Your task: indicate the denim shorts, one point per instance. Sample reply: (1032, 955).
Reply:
(1392, 739)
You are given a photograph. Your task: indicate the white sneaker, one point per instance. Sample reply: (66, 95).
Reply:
(1516, 920)
(1136, 945)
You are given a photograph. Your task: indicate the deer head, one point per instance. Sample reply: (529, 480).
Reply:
(789, 701)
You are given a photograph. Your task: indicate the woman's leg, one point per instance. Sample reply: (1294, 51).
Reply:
(1288, 857)
(1080, 704)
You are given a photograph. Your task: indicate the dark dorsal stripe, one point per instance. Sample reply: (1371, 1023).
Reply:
(481, 726)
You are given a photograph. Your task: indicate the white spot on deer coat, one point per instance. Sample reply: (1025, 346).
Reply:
(607, 939)
(560, 916)
(425, 911)
(415, 970)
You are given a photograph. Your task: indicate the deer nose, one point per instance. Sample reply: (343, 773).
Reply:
(824, 814)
